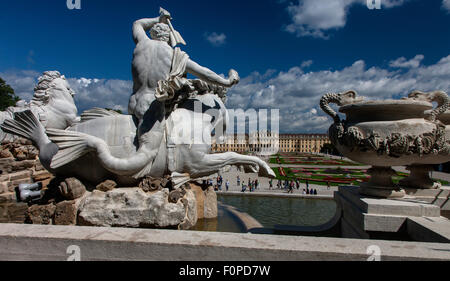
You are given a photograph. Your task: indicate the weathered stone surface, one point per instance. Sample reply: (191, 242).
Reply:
(191, 217)
(23, 165)
(40, 214)
(4, 187)
(39, 167)
(6, 165)
(13, 212)
(41, 175)
(9, 197)
(206, 201)
(176, 195)
(20, 175)
(20, 153)
(66, 212)
(5, 153)
(132, 207)
(4, 178)
(46, 183)
(107, 185)
(200, 197)
(153, 184)
(15, 183)
(72, 188)
(210, 208)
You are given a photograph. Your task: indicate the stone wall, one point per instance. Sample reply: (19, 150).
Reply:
(69, 202)
(19, 163)
(47, 242)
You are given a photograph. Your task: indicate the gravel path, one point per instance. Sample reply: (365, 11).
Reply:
(232, 174)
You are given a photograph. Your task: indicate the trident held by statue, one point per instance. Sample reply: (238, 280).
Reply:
(175, 37)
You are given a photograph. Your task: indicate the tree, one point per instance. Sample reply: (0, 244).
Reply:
(7, 96)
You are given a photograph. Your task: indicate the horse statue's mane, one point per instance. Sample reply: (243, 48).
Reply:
(41, 98)
(41, 95)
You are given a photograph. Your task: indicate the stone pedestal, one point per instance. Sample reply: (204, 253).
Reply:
(390, 219)
(439, 197)
(419, 178)
(380, 184)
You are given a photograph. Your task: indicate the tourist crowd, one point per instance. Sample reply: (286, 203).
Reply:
(252, 185)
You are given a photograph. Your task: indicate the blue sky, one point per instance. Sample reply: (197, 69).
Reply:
(287, 53)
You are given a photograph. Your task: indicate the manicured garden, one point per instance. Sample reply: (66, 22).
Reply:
(309, 159)
(335, 176)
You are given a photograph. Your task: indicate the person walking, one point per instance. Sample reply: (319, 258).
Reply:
(270, 184)
(219, 183)
(256, 184)
(291, 187)
(328, 185)
(238, 181)
(227, 185)
(297, 184)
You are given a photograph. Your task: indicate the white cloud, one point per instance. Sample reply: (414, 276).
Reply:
(403, 63)
(446, 5)
(216, 39)
(306, 64)
(89, 93)
(22, 82)
(316, 17)
(101, 93)
(297, 93)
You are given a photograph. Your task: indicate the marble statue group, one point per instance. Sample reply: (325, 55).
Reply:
(167, 132)
(172, 120)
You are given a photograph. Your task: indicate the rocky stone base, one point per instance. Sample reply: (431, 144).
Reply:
(206, 201)
(132, 207)
(68, 202)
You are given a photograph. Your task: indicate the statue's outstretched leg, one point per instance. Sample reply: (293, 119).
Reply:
(212, 163)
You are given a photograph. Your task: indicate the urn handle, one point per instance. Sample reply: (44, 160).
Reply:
(437, 96)
(339, 99)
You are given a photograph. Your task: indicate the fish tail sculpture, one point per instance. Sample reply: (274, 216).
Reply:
(26, 125)
(60, 147)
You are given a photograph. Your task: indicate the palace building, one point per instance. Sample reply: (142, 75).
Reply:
(266, 143)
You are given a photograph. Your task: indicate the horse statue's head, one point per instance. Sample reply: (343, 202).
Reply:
(53, 93)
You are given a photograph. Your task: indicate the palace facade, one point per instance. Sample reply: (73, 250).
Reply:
(266, 143)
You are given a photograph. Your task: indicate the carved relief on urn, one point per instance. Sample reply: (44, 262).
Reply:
(385, 133)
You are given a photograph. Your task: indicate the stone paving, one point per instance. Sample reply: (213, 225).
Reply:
(264, 183)
(232, 174)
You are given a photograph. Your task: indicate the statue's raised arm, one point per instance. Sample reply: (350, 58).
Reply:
(210, 76)
(141, 26)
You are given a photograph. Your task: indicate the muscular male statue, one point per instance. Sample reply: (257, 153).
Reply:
(154, 61)
(158, 71)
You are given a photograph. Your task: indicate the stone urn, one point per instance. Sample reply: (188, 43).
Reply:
(419, 173)
(386, 133)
